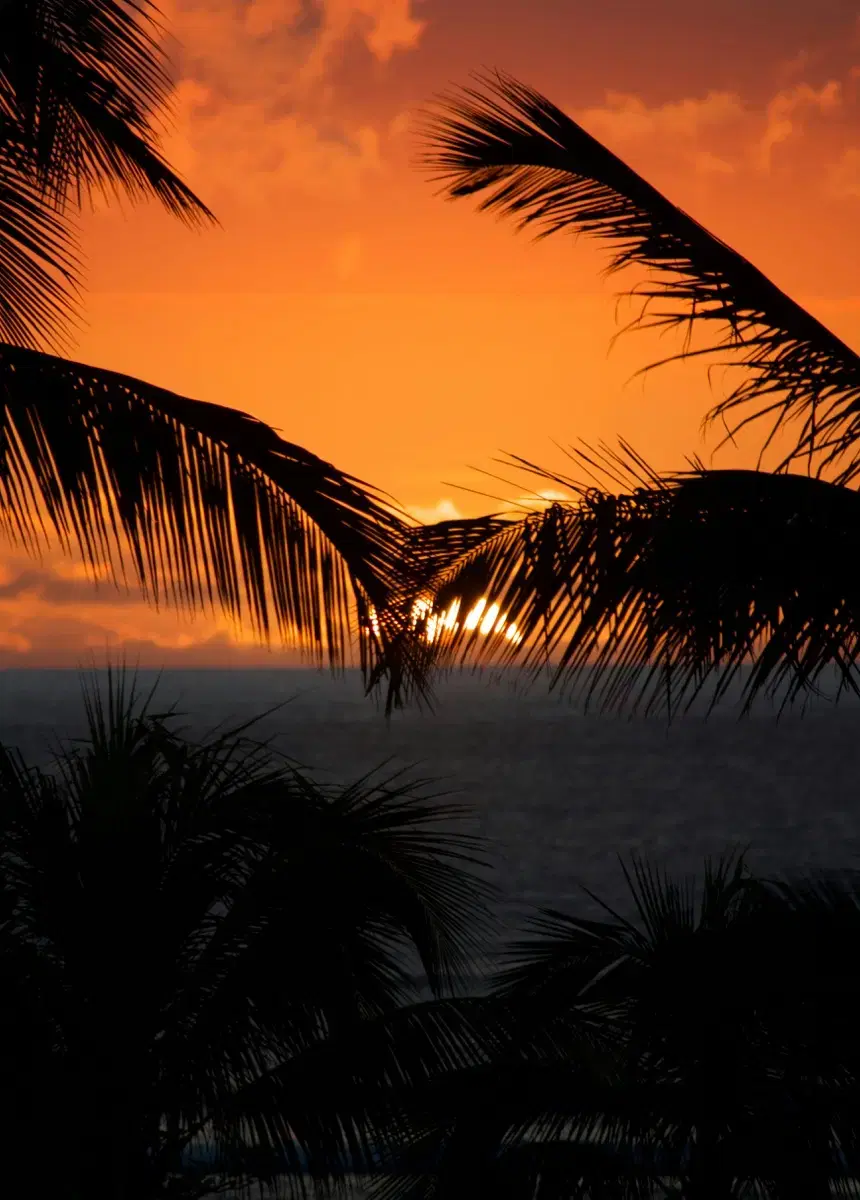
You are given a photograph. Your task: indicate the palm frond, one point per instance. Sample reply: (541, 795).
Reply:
(402, 667)
(429, 549)
(204, 506)
(707, 578)
(483, 1128)
(541, 167)
(84, 90)
(87, 83)
(39, 267)
(731, 1005)
(220, 953)
(569, 964)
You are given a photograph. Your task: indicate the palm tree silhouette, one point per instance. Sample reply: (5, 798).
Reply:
(679, 579)
(210, 961)
(702, 1047)
(203, 505)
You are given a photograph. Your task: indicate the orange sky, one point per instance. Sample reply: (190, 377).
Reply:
(407, 339)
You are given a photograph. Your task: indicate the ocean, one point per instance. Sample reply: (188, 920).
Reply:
(559, 794)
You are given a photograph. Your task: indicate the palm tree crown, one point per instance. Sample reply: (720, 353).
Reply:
(680, 579)
(207, 957)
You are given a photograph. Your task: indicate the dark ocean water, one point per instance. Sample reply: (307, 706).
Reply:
(559, 794)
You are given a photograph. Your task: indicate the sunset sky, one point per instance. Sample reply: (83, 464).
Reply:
(408, 339)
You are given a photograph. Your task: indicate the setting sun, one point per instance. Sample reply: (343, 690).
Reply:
(484, 617)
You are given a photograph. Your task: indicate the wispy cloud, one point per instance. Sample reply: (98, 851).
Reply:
(256, 102)
(54, 614)
(696, 130)
(786, 111)
(623, 116)
(442, 510)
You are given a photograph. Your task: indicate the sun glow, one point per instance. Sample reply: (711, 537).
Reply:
(484, 617)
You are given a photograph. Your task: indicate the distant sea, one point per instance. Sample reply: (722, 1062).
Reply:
(559, 794)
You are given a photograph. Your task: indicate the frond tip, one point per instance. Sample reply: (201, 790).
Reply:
(533, 162)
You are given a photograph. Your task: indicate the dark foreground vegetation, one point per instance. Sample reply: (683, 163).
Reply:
(219, 973)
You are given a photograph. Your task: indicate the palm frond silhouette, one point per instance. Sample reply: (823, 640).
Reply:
(696, 1046)
(212, 962)
(200, 505)
(84, 96)
(661, 584)
(542, 168)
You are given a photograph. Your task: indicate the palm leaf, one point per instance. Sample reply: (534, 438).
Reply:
(706, 578)
(39, 268)
(728, 1001)
(476, 1128)
(403, 667)
(87, 82)
(202, 505)
(84, 90)
(212, 952)
(539, 166)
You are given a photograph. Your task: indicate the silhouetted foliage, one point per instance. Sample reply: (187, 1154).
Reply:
(207, 959)
(654, 594)
(212, 976)
(84, 96)
(704, 1047)
(678, 580)
(202, 506)
(541, 167)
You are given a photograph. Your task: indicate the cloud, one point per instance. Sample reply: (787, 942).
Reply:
(16, 642)
(52, 614)
(55, 588)
(792, 67)
(442, 510)
(400, 124)
(61, 640)
(783, 113)
(543, 498)
(624, 116)
(256, 104)
(690, 127)
(387, 25)
(446, 510)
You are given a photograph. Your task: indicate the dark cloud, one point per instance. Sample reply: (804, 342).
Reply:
(50, 586)
(63, 640)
